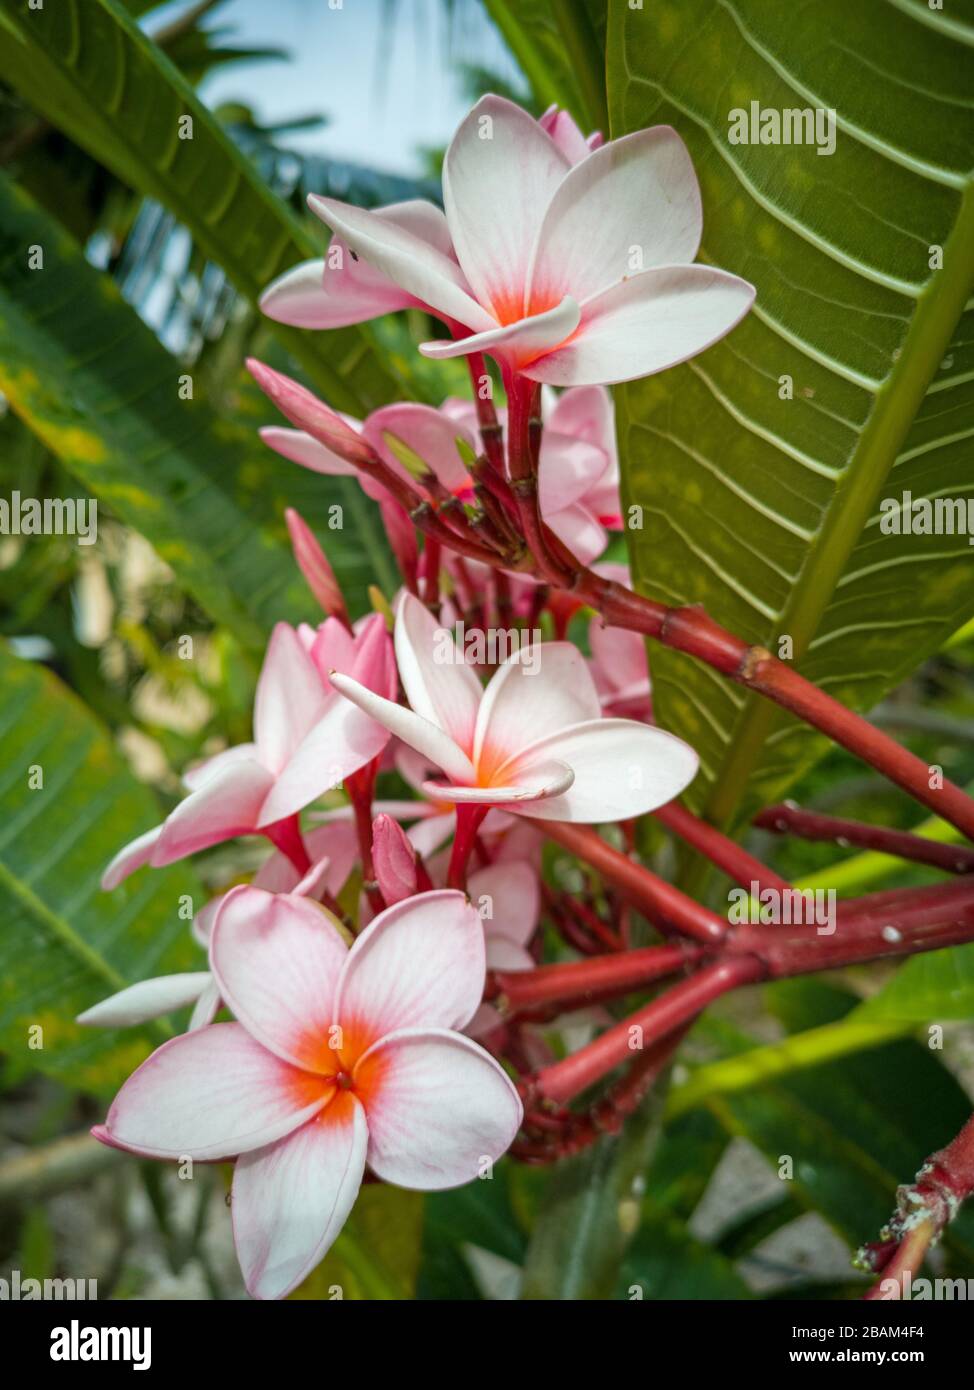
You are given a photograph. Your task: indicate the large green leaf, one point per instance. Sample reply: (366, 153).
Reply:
(560, 46)
(90, 70)
(93, 382)
(766, 509)
(63, 943)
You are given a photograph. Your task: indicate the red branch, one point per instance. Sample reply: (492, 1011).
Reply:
(810, 825)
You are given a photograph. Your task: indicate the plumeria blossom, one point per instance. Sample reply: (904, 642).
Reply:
(338, 1058)
(534, 741)
(342, 288)
(165, 994)
(570, 274)
(305, 741)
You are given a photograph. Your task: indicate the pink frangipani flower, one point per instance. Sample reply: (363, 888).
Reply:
(333, 850)
(304, 743)
(339, 1058)
(570, 274)
(534, 741)
(341, 288)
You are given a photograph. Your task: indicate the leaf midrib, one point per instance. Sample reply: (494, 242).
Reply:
(896, 402)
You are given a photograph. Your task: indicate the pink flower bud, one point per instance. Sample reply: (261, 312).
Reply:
(314, 565)
(394, 859)
(308, 413)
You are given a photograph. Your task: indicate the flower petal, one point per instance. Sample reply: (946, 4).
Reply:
(635, 195)
(518, 343)
(300, 447)
(538, 690)
(651, 322)
(504, 954)
(568, 469)
(565, 133)
(439, 685)
(500, 172)
(579, 530)
(290, 698)
(622, 769)
(430, 435)
(430, 833)
(417, 964)
(148, 999)
(514, 896)
(290, 1200)
(543, 779)
(211, 1094)
(440, 1110)
(342, 741)
(277, 958)
(226, 805)
(427, 738)
(298, 297)
(131, 857)
(409, 261)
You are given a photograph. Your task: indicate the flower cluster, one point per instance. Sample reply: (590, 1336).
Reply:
(362, 960)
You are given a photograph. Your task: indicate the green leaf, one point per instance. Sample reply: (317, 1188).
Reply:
(560, 47)
(666, 1262)
(478, 1214)
(90, 70)
(376, 1256)
(63, 943)
(765, 509)
(854, 1130)
(590, 1213)
(88, 377)
(927, 989)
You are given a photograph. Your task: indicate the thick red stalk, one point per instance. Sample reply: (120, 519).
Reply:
(469, 818)
(810, 825)
(656, 899)
(565, 1079)
(573, 984)
(285, 835)
(742, 867)
(359, 787)
(522, 407)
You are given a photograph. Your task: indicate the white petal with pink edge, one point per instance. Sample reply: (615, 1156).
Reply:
(277, 958)
(500, 172)
(534, 783)
(147, 999)
(290, 1200)
(407, 259)
(300, 447)
(636, 197)
(210, 1094)
(427, 738)
(438, 683)
(519, 343)
(290, 698)
(651, 322)
(514, 895)
(622, 769)
(418, 964)
(542, 688)
(440, 1110)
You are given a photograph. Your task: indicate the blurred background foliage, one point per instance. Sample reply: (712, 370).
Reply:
(154, 252)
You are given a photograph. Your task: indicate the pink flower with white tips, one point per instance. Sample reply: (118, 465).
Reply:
(570, 274)
(339, 1058)
(534, 741)
(165, 994)
(304, 742)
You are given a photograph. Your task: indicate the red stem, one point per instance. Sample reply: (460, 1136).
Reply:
(563, 1080)
(360, 786)
(656, 899)
(810, 825)
(573, 984)
(285, 835)
(742, 867)
(469, 818)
